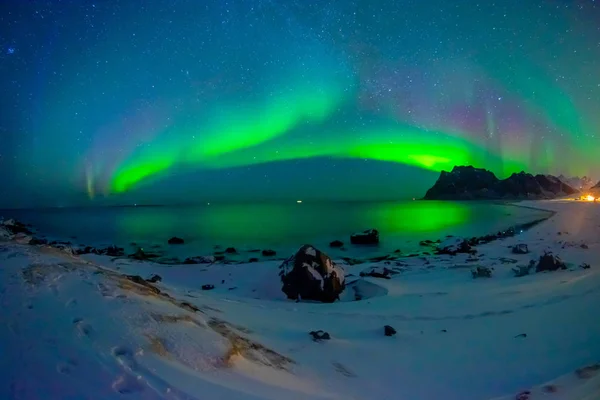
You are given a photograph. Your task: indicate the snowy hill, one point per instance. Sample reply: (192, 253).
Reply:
(88, 327)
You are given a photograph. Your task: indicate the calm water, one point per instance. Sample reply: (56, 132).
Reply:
(283, 227)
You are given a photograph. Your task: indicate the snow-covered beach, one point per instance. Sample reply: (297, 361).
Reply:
(76, 327)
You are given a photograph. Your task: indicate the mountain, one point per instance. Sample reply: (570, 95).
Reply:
(576, 182)
(470, 183)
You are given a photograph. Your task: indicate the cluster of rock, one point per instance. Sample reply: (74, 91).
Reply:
(469, 183)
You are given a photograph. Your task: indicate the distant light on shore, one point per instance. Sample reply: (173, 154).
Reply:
(298, 201)
(590, 198)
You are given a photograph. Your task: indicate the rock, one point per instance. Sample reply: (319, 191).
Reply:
(469, 183)
(176, 240)
(200, 260)
(521, 270)
(481, 272)
(378, 272)
(426, 243)
(15, 227)
(520, 248)
(584, 246)
(524, 395)
(141, 281)
(154, 278)
(141, 255)
(336, 243)
(231, 250)
(389, 331)
(549, 262)
(22, 238)
(588, 371)
(521, 335)
(253, 259)
(370, 236)
(5, 234)
(585, 266)
(311, 275)
(454, 245)
(208, 287)
(37, 241)
(113, 251)
(319, 335)
(268, 253)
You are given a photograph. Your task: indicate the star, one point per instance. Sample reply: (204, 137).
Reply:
(10, 50)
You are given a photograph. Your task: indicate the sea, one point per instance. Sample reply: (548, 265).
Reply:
(282, 227)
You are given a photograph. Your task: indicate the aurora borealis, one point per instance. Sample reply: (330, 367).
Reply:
(121, 101)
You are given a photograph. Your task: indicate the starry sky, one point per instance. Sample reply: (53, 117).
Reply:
(125, 101)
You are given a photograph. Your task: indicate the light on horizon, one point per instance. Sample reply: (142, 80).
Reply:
(590, 198)
(298, 201)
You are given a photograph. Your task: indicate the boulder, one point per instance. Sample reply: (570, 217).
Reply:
(319, 335)
(336, 244)
(454, 245)
(481, 272)
(37, 241)
(22, 238)
(549, 262)
(370, 236)
(154, 278)
(268, 253)
(521, 270)
(176, 240)
(311, 275)
(5, 234)
(208, 287)
(231, 250)
(388, 330)
(378, 272)
(520, 248)
(15, 227)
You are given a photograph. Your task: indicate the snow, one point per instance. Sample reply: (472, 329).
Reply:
(74, 327)
(311, 251)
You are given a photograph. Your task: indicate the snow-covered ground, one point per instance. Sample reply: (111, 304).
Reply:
(76, 328)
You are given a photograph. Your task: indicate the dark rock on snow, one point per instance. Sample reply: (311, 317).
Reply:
(481, 272)
(15, 227)
(311, 275)
(319, 335)
(268, 253)
(142, 282)
(200, 260)
(176, 240)
(141, 255)
(336, 243)
(154, 278)
(455, 245)
(370, 236)
(378, 272)
(585, 266)
(520, 248)
(522, 270)
(549, 262)
(37, 241)
(253, 259)
(208, 287)
(231, 250)
(469, 183)
(389, 331)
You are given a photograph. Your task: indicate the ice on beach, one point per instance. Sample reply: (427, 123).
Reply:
(76, 327)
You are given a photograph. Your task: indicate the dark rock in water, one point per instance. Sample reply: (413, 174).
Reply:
(311, 275)
(37, 241)
(176, 240)
(389, 331)
(370, 236)
(268, 253)
(200, 260)
(481, 272)
(378, 272)
(141, 255)
(253, 259)
(231, 250)
(549, 262)
(208, 287)
(585, 266)
(319, 335)
(521, 335)
(469, 183)
(520, 248)
(455, 245)
(154, 278)
(336, 243)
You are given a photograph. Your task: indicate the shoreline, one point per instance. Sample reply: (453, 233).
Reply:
(164, 254)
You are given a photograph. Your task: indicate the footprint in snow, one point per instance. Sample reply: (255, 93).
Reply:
(83, 328)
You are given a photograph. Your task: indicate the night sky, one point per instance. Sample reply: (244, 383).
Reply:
(118, 102)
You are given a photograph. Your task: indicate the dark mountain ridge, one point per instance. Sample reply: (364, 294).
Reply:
(470, 183)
